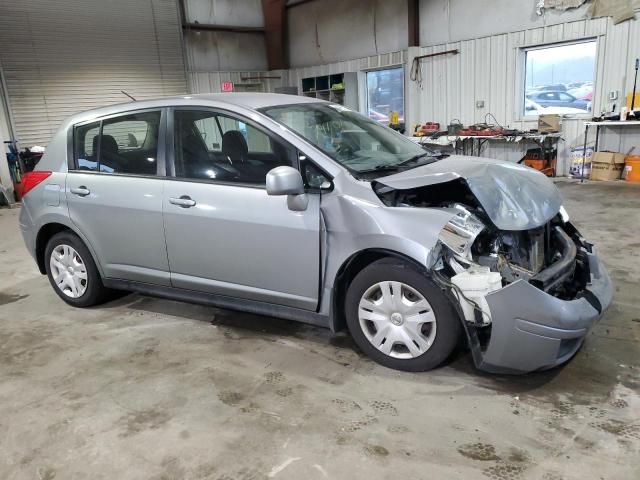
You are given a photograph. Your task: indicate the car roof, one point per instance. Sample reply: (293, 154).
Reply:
(225, 101)
(247, 100)
(250, 100)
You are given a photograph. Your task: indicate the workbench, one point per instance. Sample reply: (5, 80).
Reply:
(472, 145)
(599, 125)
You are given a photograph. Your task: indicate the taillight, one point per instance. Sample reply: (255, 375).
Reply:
(30, 180)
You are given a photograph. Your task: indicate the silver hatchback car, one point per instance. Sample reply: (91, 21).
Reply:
(302, 209)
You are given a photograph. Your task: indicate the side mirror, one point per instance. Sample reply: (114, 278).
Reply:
(284, 181)
(288, 181)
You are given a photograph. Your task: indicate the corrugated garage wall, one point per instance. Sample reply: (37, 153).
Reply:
(62, 57)
(487, 69)
(214, 57)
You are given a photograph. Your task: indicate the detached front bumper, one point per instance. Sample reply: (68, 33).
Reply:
(532, 330)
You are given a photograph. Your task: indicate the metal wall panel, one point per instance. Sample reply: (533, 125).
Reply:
(488, 69)
(211, 82)
(63, 57)
(295, 75)
(335, 30)
(225, 51)
(455, 20)
(225, 12)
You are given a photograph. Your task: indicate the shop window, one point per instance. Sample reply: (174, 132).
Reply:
(385, 94)
(559, 79)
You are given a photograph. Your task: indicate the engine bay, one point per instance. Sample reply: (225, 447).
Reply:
(475, 258)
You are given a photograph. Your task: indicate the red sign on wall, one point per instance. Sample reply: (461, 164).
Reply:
(227, 86)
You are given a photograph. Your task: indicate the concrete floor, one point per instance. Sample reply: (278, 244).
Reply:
(145, 388)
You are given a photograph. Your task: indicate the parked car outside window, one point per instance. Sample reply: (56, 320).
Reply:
(533, 108)
(560, 75)
(559, 99)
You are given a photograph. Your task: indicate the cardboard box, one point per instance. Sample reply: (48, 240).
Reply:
(607, 165)
(548, 123)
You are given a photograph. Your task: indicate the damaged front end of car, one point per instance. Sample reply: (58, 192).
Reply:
(527, 285)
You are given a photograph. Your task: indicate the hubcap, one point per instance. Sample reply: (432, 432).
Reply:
(68, 271)
(397, 320)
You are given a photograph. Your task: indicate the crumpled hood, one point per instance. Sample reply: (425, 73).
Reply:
(514, 197)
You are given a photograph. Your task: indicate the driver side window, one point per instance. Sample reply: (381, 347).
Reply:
(213, 146)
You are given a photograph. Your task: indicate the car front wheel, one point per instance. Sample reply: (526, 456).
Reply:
(400, 318)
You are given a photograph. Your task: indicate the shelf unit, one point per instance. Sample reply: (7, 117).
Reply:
(339, 88)
(600, 125)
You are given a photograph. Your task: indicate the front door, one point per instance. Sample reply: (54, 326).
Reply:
(224, 234)
(114, 195)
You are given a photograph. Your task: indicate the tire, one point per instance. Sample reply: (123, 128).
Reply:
(83, 292)
(412, 335)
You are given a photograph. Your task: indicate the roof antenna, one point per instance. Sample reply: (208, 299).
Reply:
(128, 95)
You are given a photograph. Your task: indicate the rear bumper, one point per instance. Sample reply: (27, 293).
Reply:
(532, 330)
(27, 229)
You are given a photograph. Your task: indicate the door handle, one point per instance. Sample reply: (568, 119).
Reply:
(80, 191)
(185, 201)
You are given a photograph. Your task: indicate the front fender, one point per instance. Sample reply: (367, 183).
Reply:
(354, 225)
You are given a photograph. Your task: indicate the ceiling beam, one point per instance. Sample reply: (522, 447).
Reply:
(413, 18)
(207, 27)
(294, 3)
(201, 27)
(275, 21)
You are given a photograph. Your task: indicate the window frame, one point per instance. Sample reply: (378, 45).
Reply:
(521, 113)
(73, 161)
(171, 153)
(72, 165)
(366, 88)
(307, 188)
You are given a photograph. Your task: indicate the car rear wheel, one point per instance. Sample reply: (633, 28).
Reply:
(72, 272)
(400, 318)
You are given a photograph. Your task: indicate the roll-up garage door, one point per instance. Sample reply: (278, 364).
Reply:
(65, 56)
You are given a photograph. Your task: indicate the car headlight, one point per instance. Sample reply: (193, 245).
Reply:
(461, 231)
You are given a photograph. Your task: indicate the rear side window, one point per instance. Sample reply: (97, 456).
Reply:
(126, 144)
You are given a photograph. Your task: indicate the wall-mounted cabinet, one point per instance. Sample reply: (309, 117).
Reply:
(339, 88)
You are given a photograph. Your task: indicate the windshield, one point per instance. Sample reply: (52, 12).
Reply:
(351, 139)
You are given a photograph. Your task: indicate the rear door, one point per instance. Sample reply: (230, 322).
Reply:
(114, 193)
(224, 234)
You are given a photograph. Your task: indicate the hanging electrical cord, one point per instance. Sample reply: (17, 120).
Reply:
(494, 119)
(416, 72)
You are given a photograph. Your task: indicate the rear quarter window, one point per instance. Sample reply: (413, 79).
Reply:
(85, 146)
